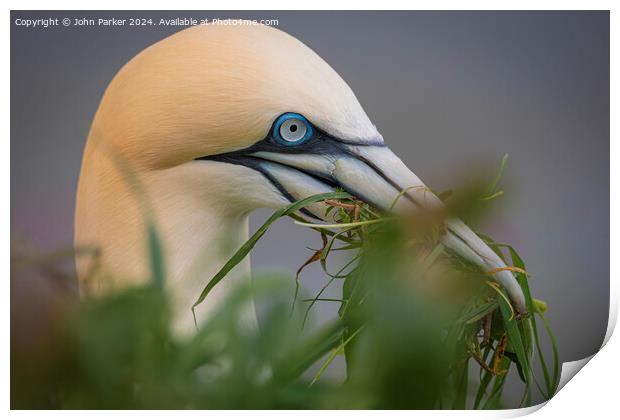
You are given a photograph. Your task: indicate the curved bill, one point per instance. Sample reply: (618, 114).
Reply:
(376, 175)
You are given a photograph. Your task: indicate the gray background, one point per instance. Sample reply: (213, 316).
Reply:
(451, 93)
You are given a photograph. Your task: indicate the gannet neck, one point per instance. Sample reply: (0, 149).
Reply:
(198, 226)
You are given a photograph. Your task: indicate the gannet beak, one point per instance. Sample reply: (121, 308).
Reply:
(376, 175)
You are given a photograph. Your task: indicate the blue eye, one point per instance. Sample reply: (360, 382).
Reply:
(291, 129)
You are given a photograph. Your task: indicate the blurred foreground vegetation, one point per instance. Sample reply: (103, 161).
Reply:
(418, 326)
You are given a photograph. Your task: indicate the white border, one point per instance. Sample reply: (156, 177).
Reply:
(595, 392)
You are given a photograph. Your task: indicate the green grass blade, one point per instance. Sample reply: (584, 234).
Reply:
(462, 380)
(247, 247)
(298, 360)
(327, 232)
(485, 357)
(498, 177)
(514, 335)
(556, 361)
(543, 362)
(482, 388)
(325, 286)
(493, 196)
(341, 225)
(156, 257)
(517, 261)
(477, 313)
(494, 400)
(333, 355)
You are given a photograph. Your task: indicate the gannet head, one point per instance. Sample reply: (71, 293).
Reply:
(246, 116)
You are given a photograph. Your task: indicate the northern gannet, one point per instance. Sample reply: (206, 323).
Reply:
(211, 123)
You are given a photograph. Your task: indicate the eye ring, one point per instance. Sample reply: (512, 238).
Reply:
(291, 129)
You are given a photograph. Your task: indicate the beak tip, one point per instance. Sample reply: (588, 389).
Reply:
(515, 292)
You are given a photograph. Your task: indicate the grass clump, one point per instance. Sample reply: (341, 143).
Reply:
(397, 267)
(417, 326)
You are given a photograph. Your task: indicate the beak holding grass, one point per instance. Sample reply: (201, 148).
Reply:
(374, 174)
(448, 277)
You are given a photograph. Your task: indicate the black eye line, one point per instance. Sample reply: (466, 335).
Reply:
(321, 142)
